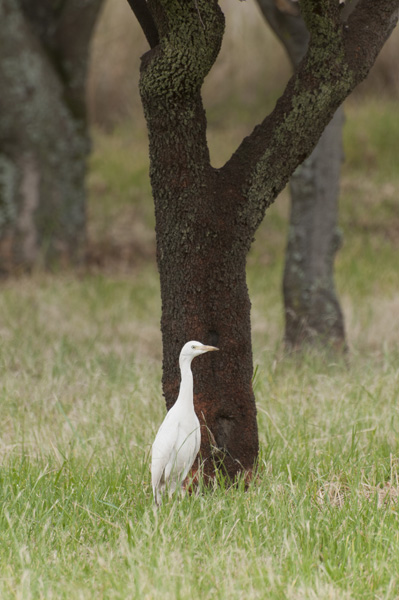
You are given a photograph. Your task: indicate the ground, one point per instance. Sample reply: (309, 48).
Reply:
(81, 403)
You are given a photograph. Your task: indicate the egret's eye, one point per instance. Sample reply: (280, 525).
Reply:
(193, 347)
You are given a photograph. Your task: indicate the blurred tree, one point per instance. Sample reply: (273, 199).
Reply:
(44, 142)
(312, 308)
(206, 218)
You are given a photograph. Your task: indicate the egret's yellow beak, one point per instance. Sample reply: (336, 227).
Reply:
(209, 348)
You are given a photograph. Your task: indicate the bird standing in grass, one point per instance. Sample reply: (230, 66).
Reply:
(179, 438)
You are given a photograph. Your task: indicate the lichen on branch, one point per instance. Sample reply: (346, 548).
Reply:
(191, 34)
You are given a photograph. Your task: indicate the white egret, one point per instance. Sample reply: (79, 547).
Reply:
(178, 439)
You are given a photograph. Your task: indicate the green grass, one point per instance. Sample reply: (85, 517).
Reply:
(80, 403)
(371, 139)
(77, 518)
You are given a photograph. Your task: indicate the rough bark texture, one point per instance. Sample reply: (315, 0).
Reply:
(200, 260)
(311, 305)
(44, 47)
(206, 218)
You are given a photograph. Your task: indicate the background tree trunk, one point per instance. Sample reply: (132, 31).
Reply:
(312, 309)
(311, 305)
(44, 142)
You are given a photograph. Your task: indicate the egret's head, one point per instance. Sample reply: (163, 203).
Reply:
(193, 348)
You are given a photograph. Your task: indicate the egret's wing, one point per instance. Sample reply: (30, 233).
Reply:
(181, 453)
(173, 452)
(163, 450)
(192, 442)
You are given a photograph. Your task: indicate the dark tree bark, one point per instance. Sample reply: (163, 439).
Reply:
(206, 218)
(311, 305)
(44, 142)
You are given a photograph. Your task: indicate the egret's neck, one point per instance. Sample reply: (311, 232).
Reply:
(186, 392)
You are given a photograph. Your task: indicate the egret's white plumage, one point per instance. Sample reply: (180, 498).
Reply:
(178, 439)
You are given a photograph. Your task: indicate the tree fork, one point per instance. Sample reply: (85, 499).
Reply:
(206, 218)
(200, 259)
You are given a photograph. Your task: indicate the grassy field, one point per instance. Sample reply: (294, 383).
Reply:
(81, 402)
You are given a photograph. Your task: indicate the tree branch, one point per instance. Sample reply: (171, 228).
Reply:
(26, 76)
(289, 28)
(147, 23)
(324, 13)
(72, 40)
(64, 30)
(170, 87)
(265, 160)
(367, 29)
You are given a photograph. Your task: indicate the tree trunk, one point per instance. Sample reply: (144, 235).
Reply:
(311, 305)
(206, 218)
(200, 259)
(44, 140)
(205, 297)
(312, 309)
